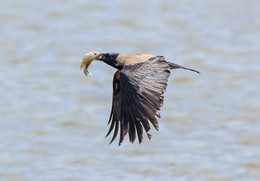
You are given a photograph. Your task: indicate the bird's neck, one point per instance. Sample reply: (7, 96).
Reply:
(110, 59)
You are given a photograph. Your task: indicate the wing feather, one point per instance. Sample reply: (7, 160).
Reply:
(114, 120)
(137, 97)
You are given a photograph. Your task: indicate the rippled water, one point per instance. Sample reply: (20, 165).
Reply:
(53, 119)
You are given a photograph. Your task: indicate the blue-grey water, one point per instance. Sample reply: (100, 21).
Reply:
(53, 118)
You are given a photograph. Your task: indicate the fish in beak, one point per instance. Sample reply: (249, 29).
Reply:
(86, 61)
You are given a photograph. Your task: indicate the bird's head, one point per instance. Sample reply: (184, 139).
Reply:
(87, 59)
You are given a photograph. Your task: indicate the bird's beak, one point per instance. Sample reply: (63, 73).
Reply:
(86, 61)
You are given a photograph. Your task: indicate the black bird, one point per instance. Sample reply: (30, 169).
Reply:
(138, 87)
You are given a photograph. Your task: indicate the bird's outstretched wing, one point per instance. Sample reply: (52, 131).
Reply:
(137, 98)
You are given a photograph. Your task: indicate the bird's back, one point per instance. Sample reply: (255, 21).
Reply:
(133, 58)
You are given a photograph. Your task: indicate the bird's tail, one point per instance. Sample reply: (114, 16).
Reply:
(176, 66)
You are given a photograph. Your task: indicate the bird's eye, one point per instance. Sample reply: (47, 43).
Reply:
(94, 53)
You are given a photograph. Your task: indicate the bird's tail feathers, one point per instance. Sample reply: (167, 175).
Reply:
(175, 66)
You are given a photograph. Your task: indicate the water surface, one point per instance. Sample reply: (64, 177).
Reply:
(53, 119)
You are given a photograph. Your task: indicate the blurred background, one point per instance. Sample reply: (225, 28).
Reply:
(53, 118)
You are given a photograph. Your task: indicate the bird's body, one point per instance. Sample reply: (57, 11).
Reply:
(138, 87)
